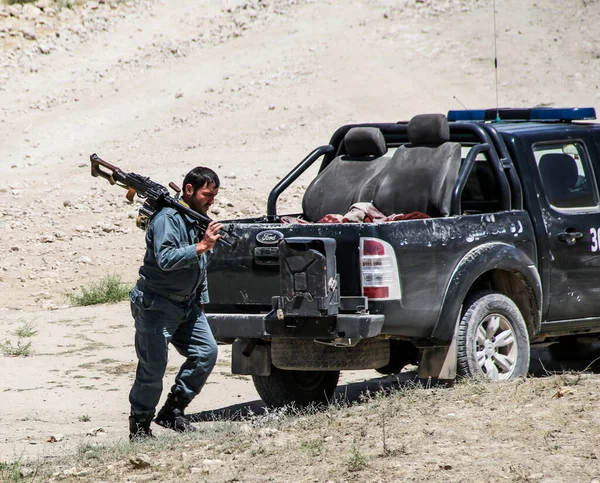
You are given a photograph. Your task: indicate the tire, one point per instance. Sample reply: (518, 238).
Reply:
(402, 352)
(492, 338)
(300, 388)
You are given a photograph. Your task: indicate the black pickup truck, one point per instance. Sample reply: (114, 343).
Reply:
(504, 253)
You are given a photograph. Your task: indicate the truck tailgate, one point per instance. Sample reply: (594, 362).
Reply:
(246, 277)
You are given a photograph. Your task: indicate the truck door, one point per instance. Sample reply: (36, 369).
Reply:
(571, 215)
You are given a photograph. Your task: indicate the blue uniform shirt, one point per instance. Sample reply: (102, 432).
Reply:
(171, 265)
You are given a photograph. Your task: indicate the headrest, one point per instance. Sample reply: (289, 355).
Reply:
(560, 167)
(428, 129)
(365, 141)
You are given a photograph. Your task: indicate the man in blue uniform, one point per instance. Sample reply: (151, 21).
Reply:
(167, 304)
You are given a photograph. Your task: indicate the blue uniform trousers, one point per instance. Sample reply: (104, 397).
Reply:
(159, 321)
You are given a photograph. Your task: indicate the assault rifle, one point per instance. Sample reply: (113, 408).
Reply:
(156, 196)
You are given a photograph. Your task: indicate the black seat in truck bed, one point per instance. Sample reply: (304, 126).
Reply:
(419, 177)
(422, 174)
(349, 178)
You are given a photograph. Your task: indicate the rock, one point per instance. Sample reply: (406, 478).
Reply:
(44, 49)
(42, 4)
(15, 10)
(74, 472)
(140, 460)
(95, 431)
(26, 472)
(268, 432)
(31, 12)
(29, 33)
(210, 465)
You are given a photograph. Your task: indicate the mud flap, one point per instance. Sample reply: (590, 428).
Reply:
(250, 357)
(438, 364)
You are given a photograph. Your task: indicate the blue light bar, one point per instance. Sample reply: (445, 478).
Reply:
(557, 114)
(469, 115)
(562, 113)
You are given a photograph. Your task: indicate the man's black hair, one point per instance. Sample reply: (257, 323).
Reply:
(201, 176)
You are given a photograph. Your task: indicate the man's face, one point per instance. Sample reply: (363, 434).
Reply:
(202, 199)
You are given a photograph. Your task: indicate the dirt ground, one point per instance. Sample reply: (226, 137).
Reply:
(245, 87)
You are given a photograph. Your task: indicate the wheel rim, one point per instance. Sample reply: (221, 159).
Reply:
(496, 347)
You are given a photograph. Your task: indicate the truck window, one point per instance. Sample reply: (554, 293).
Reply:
(481, 192)
(566, 174)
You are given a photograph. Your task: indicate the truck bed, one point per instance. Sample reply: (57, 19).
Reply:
(428, 252)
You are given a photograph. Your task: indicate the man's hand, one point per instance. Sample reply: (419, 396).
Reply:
(210, 237)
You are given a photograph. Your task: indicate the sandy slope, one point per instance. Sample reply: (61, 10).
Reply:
(159, 87)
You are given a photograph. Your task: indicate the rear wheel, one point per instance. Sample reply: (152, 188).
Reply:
(492, 338)
(300, 388)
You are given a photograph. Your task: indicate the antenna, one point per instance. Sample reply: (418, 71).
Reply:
(458, 100)
(496, 64)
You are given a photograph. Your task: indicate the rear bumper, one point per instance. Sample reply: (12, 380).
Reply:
(226, 327)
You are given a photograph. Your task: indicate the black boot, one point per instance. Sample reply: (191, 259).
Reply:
(171, 415)
(139, 427)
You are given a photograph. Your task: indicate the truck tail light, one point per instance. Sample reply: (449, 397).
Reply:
(379, 270)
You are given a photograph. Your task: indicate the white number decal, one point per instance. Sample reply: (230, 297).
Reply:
(595, 232)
